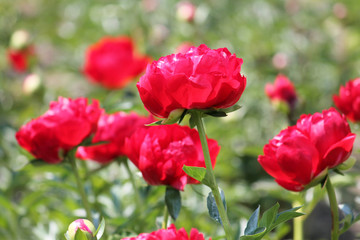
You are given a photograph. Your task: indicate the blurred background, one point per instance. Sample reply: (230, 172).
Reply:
(314, 42)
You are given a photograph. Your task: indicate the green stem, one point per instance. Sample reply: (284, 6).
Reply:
(298, 233)
(334, 210)
(166, 218)
(213, 184)
(80, 187)
(132, 180)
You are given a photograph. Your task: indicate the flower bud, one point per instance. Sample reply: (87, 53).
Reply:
(20, 39)
(31, 83)
(186, 11)
(83, 225)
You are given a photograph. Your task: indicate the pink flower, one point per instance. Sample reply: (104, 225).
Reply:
(113, 62)
(201, 78)
(348, 100)
(282, 90)
(299, 155)
(186, 11)
(114, 129)
(65, 125)
(160, 152)
(169, 234)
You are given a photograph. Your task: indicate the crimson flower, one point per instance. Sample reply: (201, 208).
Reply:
(65, 125)
(113, 62)
(201, 78)
(112, 128)
(160, 152)
(19, 58)
(300, 155)
(282, 90)
(348, 100)
(169, 234)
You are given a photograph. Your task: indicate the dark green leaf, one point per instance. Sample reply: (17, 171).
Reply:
(216, 113)
(197, 173)
(183, 115)
(286, 216)
(212, 208)
(256, 234)
(231, 109)
(173, 202)
(192, 122)
(269, 216)
(253, 222)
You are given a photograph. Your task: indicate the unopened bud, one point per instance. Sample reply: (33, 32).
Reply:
(83, 225)
(31, 83)
(20, 39)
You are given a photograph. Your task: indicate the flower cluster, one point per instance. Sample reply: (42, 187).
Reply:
(169, 234)
(65, 125)
(301, 153)
(282, 91)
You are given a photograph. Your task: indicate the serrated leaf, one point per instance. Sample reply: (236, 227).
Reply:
(80, 235)
(101, 229)
(212, 208)
(173, 201)
(197, 173)
(253, 222)
(257, 234)
(269, 216)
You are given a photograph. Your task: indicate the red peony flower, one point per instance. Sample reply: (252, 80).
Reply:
(113, 128)
(113, 62)
(301, 154)
(348, 101)
(282, 90)
(202, 78)
(160, 152)
(65, 125)
(169, 234)
(19, 59)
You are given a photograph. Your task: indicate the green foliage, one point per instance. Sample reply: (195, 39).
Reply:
(257, 227)
(173, 202)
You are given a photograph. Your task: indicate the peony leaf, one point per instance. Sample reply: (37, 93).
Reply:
(212, 208)
(154, 123)
(101, 229)
(269, 216)
(257, 234)
(253, 222)
(197, 173)
(173, 201)
(286, 215)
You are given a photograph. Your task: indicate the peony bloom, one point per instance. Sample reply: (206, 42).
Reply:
(113, 128)
(160, 152)
(348, 101)
(201, 78)
(83, 225)
(282, 90)
(302, 154)
(169, 234)
(113, 62)
(64, 126)
(19, 59)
